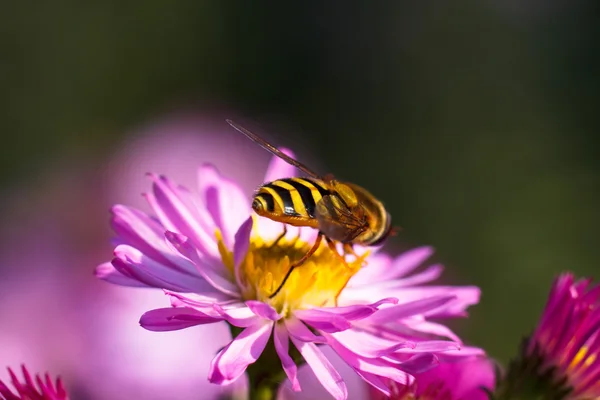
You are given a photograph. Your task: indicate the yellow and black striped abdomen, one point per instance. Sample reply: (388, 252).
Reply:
(294, 198)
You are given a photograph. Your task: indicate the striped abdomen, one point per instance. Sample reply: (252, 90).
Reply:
(290, 200)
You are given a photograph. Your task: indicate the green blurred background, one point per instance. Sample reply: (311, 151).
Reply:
(475, 122)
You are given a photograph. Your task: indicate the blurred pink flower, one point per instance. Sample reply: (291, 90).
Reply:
(50, 232)
(216, 264)
(567, 338)
(40, 388)
(465, 378)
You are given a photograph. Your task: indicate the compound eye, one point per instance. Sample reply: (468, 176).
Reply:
(257, 205)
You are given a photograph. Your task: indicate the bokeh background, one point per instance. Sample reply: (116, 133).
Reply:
(475, 122)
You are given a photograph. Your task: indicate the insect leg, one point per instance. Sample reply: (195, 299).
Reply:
(332, 247)
(298, 263)
(349, 249)
(281, 236)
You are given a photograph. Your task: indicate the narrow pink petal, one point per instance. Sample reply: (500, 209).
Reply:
(298, 330)
(135, 264)
(241, 317)
(368, 345)
(377, 366)
(420, 363)
(350, 313)
(408, 261)
(378, 265)
(406, 310)
(282, 343)
(322, 368)
(179, 216)
(218, 279)
(241, 245)
(205, 299)
(263, 310)
(464, 351)
(432, 346)
(232, 361)
(322, 321)
(278, 168)
(430, 274)
(375, 381)
(109, 273)
(430, 328)
(171, 319)
(146, 234)
(225, 201)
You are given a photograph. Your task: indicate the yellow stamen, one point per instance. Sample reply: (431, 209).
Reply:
(316, 283)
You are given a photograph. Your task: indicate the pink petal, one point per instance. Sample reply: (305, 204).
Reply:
(171, 319)
(368, 345)
(278, 168)
(420, 363)
(378, 265)
(281, 340)
(146, 234)
(322, 368)
(263, 310)
(377, 366)
(135, 264)
(431, 346)
(241, 245)
(430, 274)
(431, 328)
(376, 382)
(241, 317)
(322, 321)
(202, 302)
(350, 313)
(232, 361)
(109, 273)
(178, 215)
(219, 279)
(408, 261)
(298, 330)
(225, 201)
(406, 310)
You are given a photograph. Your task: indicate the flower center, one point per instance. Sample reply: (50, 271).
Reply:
(315, 283)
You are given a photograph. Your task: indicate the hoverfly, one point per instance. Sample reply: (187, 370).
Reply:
(341, 211)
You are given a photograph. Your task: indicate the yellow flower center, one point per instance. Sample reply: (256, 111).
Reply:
(315, 283)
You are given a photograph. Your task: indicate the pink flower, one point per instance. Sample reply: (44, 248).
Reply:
(218, 264)
(42, 388)
(466, 378)
(567, 339)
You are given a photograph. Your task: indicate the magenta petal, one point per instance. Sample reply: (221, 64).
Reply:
(406, 310)
(232, 361)
(172, 319)
(146, 234)
(431, 328)
(181, 216)
(377, 366)
(432, 346)
(375, 381)
(282, 344)
(133, 263)
(241, 245)
(325, 372)
(350, 313)
(420, 363)
(280, 169)
(368, 345)
(109, 273)
(297, 329)
(430, 274)
(263, 310)
(218, 280)
(322, 321)
(225, 201)
(408, 261)
(241, 317)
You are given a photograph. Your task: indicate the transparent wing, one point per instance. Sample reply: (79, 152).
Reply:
(336, 220)
(272, 149)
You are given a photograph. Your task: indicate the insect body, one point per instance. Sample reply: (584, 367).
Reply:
(341, 211)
